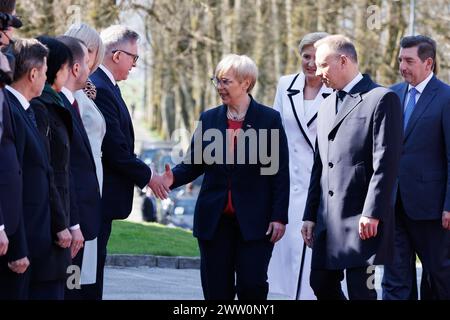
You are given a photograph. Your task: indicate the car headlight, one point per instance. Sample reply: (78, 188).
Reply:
(178, 211)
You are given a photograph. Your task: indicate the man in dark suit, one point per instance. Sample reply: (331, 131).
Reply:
(85, 212)
(348, 219)
(13, 247)
(122, 169)
(29, 79)
(423, 195)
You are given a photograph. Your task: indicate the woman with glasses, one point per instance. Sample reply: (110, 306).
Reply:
(242, 206)
(297, 99)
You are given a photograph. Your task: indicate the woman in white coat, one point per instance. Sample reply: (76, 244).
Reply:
(297, 99)
(92, 118)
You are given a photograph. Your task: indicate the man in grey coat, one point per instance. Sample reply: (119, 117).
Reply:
(348, 219)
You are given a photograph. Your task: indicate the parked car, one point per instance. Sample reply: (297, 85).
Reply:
(181, 213)
(150, 150)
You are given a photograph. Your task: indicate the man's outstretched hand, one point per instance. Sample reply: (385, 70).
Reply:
(160, 185)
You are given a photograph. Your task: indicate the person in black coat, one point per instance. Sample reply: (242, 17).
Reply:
(55, 125)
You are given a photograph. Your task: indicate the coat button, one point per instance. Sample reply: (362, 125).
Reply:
(330, 164)
(331, 193)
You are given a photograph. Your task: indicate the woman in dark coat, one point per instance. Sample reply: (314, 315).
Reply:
(55, 125)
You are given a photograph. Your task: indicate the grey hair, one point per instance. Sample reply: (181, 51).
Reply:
(116, 35)
(242, 66)
(341, 45)
(310, 39)
(28, 54)
(92, 40)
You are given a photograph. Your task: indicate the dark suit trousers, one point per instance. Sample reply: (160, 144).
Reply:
(103, 238)
(86, 291)
(34, 289)
(432, 244)
(231, 265)
(326, 284)
(11, 283)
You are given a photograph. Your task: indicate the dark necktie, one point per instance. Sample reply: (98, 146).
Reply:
(30, 114)
(341, 95)
(77, 109)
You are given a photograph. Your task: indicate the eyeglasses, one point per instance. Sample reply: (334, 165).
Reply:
(135, 56)
(216, 81)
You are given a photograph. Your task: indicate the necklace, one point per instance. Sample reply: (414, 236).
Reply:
(236, 117)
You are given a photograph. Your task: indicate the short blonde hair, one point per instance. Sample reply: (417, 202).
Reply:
(242, 66)
(91, 39)
(311, 38)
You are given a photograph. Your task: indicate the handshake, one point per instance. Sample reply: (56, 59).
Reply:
(160, 184)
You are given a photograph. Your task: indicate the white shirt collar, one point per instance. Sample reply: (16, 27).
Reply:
(108, 73)
(421, 86)
(68, 94)
(352, 83)
(23, 101)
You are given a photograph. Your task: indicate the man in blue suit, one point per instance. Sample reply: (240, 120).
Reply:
(122, 169)
(85, 212)
(13, 247)
(29, 79)
(423, 194)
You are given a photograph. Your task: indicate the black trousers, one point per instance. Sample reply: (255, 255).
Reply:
(230, 265)
(11, 283)
(326, 284)
(86, 291)
(431, 242)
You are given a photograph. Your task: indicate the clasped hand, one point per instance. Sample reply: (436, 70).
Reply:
(160, 184)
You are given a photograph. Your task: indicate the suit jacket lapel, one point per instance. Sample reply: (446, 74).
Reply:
(16, 104)
(424, 100)
(119, 98)
(352, 99)
(296, 88)
(78, 124)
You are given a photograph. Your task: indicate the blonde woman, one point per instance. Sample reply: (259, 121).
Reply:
(298, 98)
(92, 118)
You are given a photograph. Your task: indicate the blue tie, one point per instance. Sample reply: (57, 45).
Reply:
(409, 107)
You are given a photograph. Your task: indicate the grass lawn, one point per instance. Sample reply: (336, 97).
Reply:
(151, 238)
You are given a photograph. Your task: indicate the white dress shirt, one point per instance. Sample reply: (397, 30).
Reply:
(68, 94)
(108, 73)
(23, 101)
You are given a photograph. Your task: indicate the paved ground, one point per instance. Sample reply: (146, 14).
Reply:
(154, 284)
(167, 284)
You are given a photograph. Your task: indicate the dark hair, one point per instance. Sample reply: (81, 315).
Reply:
(7, 6)
(75, 46)
(28, 54)
(59, 55)
(426, 47)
